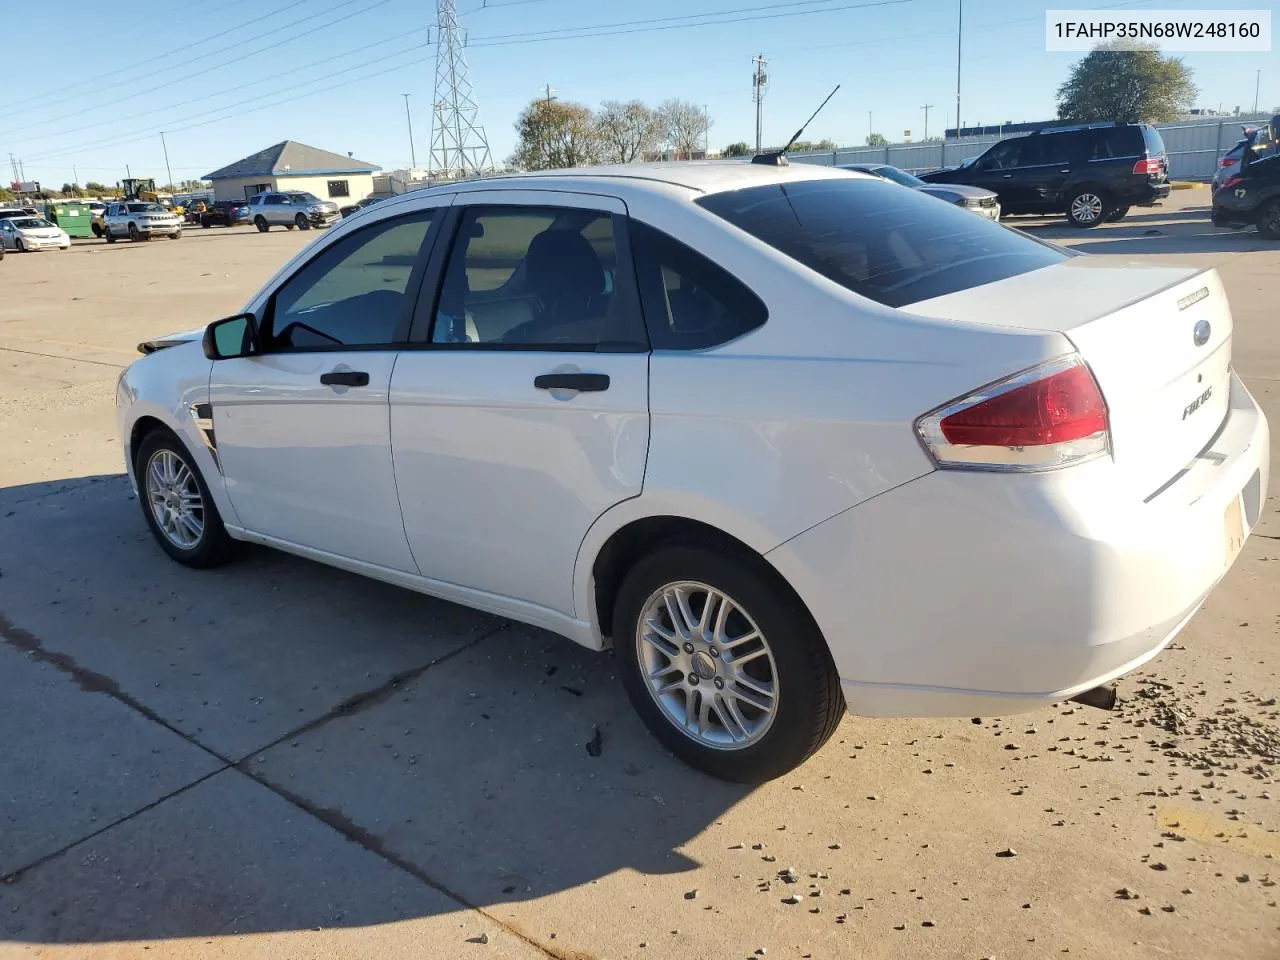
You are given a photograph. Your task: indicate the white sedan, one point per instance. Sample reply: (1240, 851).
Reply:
(28, 234)
(790, 440)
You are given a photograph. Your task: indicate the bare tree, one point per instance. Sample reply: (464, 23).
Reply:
(686, 126)
(627, 131)
(555, 134)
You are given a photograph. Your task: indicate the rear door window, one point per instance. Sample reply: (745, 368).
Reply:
(890, 245)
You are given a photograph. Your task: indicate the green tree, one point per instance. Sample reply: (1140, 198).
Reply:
(1128, 86)
(738, 149)
(876, 140)
(6, 195)
(555, 134)
(627, 131)
(93, 186)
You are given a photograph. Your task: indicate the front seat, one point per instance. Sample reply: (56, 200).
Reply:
(566, 276)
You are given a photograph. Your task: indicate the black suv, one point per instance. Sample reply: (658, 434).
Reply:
(1092, 173)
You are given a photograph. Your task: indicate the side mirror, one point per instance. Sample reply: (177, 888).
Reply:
(231, 338)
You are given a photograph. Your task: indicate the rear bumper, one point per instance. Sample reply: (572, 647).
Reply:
(979, 593)
(1152, 193)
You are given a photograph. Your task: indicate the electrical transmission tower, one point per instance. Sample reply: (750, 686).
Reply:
(459, 147)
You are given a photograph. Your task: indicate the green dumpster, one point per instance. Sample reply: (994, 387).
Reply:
(72, 216)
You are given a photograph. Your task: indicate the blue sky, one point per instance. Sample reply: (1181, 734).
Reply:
(228, 77)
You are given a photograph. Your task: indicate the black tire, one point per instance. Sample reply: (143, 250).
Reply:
(1, 251)
(134, 235)
(302, 222)
(204, 222)
(809, 702)
(1269, 220)
(176, 235)
(214, 545)
(1117, 214)
(289, 226)
(1087, 207)
(19, 246)
(261, 223)
(108, 236)
(97, 230)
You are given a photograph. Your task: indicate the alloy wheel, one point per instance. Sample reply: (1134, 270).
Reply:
(707, 665)
(1086, 208)
(173, 494)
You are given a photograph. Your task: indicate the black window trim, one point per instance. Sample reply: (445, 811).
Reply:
(423, 324)
(412, 293)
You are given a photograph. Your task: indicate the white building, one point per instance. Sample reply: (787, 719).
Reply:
(295, 166)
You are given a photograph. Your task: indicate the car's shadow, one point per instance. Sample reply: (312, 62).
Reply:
(346, 741)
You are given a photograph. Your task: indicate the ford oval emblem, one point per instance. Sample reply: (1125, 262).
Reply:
(1201, 333)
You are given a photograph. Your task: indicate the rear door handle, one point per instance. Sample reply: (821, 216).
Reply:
(1007, 176)
(582, 382)
(345, 378)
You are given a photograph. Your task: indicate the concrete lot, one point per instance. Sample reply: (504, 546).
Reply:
(275, 759)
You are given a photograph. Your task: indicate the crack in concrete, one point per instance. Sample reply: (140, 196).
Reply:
(93, 682)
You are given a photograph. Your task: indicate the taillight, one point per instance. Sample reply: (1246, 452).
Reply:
(1151, 165)
(1227, 162)
(1047, 417)
(1230, 182)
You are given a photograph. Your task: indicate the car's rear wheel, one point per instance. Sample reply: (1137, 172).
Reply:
(1087, 207)
(302, 222)
(1269, 220)
(1117, 214)
(204, 222)
(176, 235)
(97, 229)
(176, 502)
(723, 663)
(261, 223)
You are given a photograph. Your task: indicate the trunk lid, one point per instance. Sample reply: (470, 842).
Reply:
(1158, 340)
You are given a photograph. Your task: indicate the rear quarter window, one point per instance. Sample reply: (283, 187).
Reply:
(1154, 142)
(891, 245)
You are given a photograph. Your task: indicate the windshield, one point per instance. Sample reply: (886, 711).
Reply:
(899, 176)
(304, 198)
(893, 246)
(146, 208)
(30, 223)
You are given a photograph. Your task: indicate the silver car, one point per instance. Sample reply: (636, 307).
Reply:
(289, 210)
(27, 234)
(984, 203)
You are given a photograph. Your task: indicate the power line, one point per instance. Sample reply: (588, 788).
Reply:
(222, 63)
(147, 68)
(275, 76)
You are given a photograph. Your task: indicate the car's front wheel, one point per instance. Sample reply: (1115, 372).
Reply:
(177, 505)
(134, 234)
(176, 235)
(302, 222)
(261, 223)
(1086, 208)
(1269, 220)
(723, 663)
(20, 246)
(108, 235)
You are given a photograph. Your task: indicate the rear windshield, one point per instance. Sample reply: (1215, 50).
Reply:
(891, 245)
(1155, 143)
(898, 176)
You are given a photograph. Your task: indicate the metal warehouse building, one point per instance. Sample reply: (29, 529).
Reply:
(290, 165)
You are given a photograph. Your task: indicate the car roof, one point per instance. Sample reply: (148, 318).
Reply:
(698, 176)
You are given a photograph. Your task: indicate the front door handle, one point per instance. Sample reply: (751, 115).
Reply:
(1007, 176)
(582, 382)
(345, 378)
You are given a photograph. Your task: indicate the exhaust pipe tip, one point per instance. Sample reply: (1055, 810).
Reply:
(1104, 698)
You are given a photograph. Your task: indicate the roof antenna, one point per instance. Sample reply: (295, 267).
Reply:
(777, 158)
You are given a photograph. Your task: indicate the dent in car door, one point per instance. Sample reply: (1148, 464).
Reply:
(511, 434)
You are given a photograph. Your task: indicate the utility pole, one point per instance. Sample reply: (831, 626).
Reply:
(869, 125)
(550, 96)
(166, 158)
(706, 132)
(1256, 87)
(75, 173)
(413, 156)
(926, 108)
(14, 164)
(759, 81)
(22, 172)
(959, 40)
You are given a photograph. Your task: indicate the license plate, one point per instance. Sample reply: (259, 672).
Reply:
(1233, 530)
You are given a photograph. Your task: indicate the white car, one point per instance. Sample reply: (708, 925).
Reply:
(837, 445)
(140, 220)
(27, 234)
